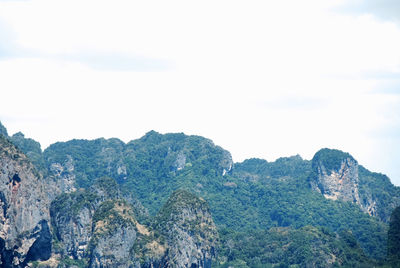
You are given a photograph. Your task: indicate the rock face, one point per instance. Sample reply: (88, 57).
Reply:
(336, 176)
(71, 217)
(191, 235)
(113, 236)
(24, 214)
(63, 174)
(98, 228)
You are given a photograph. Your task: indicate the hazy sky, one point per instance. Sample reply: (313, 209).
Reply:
(260, 78)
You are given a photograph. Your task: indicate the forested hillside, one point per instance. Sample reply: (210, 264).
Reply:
(321, 212)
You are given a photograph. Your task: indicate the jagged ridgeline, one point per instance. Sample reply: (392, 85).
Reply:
(324, 212)
(151, 167)
(42, 226)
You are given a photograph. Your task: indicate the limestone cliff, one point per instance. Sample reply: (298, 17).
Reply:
(191, 235)
(76, 220)
(71, 217)
(114, 235)
(24, 214)
(336, 175)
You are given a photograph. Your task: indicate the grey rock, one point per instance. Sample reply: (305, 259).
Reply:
(180, 161)
(74, 232)
(24, 216)
(114, 235)
(337, 177)
(63, 176)
(191, 234)
(113, 249)
(339, 184)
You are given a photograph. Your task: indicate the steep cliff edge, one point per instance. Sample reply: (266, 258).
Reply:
(24, 214)
(338, 176)
(95, 227)
(191, 235)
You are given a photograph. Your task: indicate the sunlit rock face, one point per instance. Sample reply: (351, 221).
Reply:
(336, 176)
(24, 210)
(339, 183)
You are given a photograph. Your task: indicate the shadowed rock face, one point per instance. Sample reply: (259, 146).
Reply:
(41, 248)
(24, 213)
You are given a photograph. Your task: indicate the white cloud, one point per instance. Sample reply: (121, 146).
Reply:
(387, 10)
(259, 78)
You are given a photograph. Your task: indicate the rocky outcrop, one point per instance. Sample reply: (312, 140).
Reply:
(71, 218)
(103, 231)
(336, 175)
(63, 175)
(113, 236)
(337, 179)
(24, 214)
(191, 235)
(3, 130)
(97, 227)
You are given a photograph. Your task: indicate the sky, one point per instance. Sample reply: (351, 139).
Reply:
(262, 79)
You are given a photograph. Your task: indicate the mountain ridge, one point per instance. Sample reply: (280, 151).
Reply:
(330, 191)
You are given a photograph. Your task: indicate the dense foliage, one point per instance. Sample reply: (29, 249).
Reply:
(255, 168)
(394, 238)
(149, 167)
(30, 147)
(378, 187)
(176, 203)
(288, 202)
(330, 158)
(283, 247)
(92, 159)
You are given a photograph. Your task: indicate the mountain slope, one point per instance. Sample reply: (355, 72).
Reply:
(283, 246)
(253, 194)
(331, 191)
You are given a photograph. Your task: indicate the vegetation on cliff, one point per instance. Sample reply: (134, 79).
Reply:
(255, 194)
(286, 247)
(265, 213)
(393, 248)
